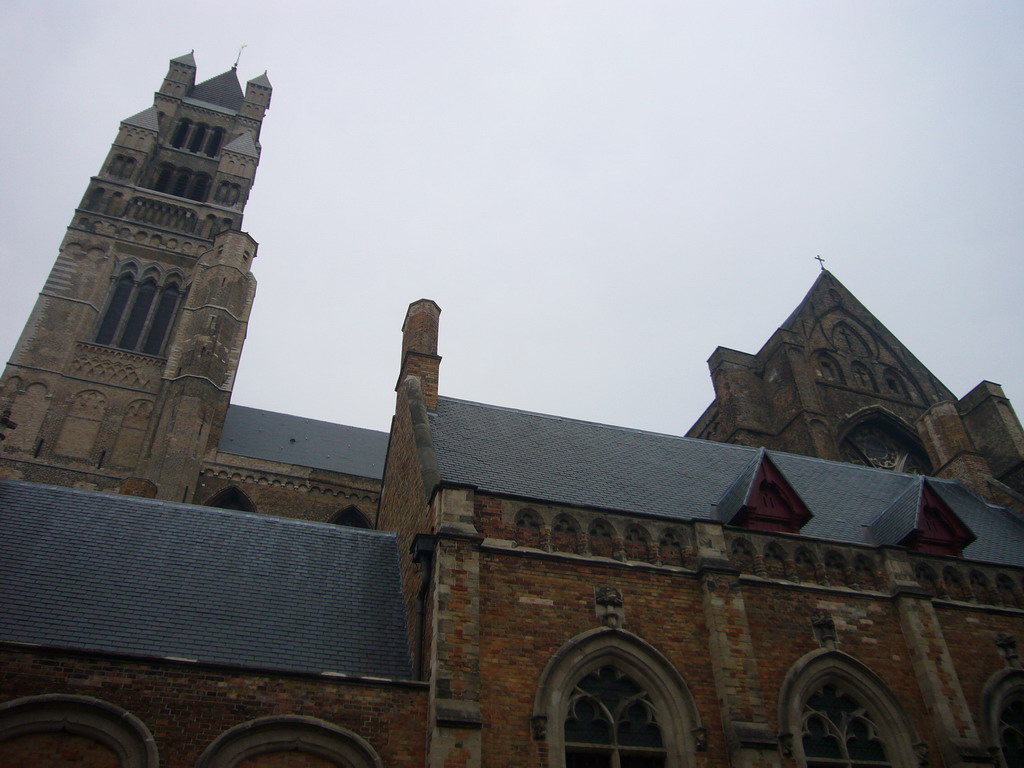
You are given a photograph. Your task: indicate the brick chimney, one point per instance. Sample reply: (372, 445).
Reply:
(419, 348)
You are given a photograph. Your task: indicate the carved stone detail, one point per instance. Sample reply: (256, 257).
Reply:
(1007, 645)
(824, 629)
(609, 606)
(786, 744)
(539, 727)
(700, 739)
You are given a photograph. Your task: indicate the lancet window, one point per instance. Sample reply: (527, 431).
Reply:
(139, 314)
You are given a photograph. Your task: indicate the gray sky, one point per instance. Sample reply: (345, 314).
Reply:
(597, 194)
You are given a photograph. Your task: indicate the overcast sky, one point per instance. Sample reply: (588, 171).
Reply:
(597, 194)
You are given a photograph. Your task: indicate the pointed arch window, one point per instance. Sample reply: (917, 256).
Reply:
(839, 731)
(1011, 733)
(232, 498)
(139, 316)
(351, 517)
(118, 301)
(834, 712)
(162, 320)
(607, 699)
(612, 722)
(874, 443)
(1002, 721)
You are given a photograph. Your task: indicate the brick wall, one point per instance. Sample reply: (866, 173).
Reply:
(54, 749)
(186, 707)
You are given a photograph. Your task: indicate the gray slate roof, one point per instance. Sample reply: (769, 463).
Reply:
(188, 59)
(222, 90)
(577, 463)
(243, 145)
(305, 442)
(147, 118)
(103, 572)
(261, 80)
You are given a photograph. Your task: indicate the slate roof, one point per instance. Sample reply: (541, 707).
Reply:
(102, 572)
(243, 145)
(222, 90)
(147, 118)
(577, 463)
(737, 494)
(900, 519)
(305, 442)
(188, 59)
(261, 80)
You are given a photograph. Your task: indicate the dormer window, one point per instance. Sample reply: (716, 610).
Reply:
(762, 499)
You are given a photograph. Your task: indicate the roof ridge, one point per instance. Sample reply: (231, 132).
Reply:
(306, 418)
(617, 427)
(166, 503)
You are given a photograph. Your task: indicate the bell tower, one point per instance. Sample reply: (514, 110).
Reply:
(124, 370)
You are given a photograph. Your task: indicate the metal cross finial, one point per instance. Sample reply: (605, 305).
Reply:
(239, 58)
(821, 261)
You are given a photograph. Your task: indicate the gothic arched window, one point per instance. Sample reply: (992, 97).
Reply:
(612, 722)
(1011, 732)
(161, 320)
(874, 444)
(607, 699)
(139, 316)
(839, 731)
(1002, 712)
(351, 517)
(834, 712)
(118, 301)
(232, 498)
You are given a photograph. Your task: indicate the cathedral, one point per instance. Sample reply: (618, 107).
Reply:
(827, 571)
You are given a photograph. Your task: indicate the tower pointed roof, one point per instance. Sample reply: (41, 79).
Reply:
(188, 59)
(262, 80)
(243, 145)
(223, 90)
(147, 118)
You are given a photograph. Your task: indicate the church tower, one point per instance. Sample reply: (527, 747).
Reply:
(122, 375)
(835, 383)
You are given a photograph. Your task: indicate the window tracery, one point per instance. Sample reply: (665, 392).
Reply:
(835, 712)
(838, 731)
(1011, 732)
(611, 721)
(608, 699)
(872, 445)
